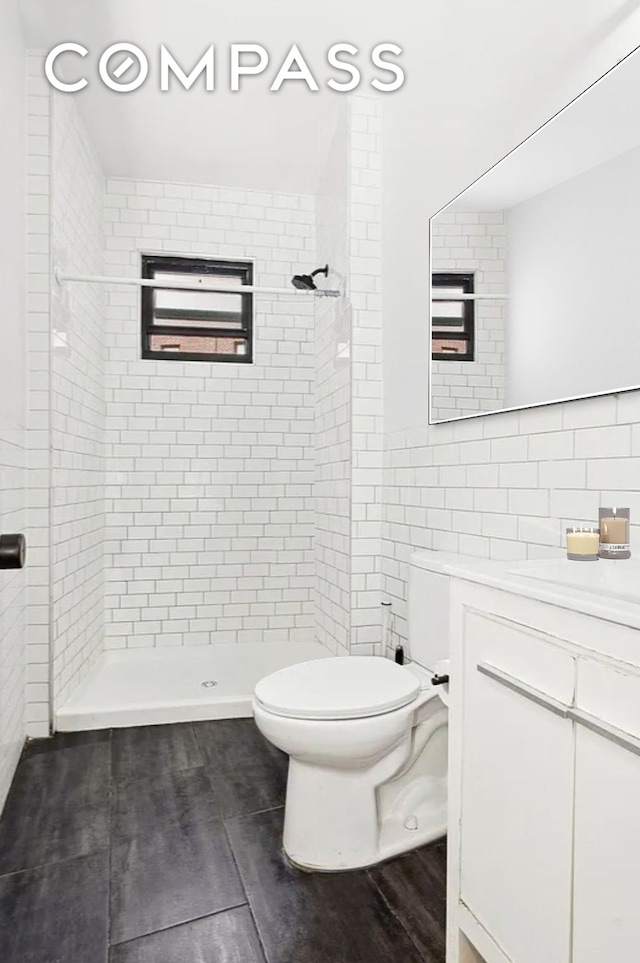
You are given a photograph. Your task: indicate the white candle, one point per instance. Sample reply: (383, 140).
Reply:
(583, 542)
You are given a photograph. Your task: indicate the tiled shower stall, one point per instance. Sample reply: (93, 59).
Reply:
(181, 505)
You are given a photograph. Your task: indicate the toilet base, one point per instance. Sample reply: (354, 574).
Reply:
(398, 834)
(331, 815)
(401, 845)
(338, 820)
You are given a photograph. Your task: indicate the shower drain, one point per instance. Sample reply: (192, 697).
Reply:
(208, 683)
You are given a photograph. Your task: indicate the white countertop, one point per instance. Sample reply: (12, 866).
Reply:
(607, 589)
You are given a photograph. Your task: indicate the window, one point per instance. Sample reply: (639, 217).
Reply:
(180, 324)
(452, 320)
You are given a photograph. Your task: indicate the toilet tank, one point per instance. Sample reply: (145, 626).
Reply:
(428, 610)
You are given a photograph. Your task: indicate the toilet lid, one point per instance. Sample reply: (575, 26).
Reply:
(349, 687)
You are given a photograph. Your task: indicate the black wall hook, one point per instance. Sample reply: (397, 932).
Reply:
(13, 550)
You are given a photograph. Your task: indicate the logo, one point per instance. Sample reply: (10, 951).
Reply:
(125, 67)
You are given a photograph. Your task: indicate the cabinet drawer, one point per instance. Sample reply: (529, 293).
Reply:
(519, 653)
(611, 695)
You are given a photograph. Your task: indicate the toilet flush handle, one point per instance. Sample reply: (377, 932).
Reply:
(440, 680)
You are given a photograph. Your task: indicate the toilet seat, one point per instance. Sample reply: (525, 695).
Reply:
(338, 688)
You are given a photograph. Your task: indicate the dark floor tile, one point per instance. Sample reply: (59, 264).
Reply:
(414, 886)
(66, 740)
(249, 789)
(172, 800)
(56, 914)
(235, 743)
(228, 937)
(247, 772)
(313, 918)
(57, 808)
(150, 750)
(172, 876)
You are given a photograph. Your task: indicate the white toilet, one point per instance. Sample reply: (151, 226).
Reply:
(367, 741)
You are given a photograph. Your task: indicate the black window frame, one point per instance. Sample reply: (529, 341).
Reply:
(215, 267)
(465, 280)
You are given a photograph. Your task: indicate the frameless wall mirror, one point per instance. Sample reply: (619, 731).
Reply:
(535, 293)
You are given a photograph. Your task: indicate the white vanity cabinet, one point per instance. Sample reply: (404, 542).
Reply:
(517, 790)
(544, 821)
(606, 903)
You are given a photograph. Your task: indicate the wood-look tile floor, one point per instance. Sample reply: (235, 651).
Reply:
(162, 844)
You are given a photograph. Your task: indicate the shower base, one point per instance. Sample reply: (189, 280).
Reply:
(137, 687)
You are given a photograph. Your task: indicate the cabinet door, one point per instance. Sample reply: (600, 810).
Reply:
(517, 789)
(607, 828)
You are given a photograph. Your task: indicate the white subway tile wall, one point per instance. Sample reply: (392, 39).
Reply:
(508, 485)
(332, 423)
(210, 466)
(469, 241)
(349, 454)
(367, 457)
(38, 402)
(13, 371)
(77, 404)
(13, 605)
(65, 345)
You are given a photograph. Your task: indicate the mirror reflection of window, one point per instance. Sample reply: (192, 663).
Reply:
(468, 340)
(452, 317)
(542, 232)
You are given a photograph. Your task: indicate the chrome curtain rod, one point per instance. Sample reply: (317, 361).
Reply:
(63, 278)
(468, 297)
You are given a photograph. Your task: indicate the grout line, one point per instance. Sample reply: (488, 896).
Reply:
(256, 812)
(244, 888)
(54, 862)
(65, 859)
(396, 916)
(48, 750)
(196, 732)
(175, 926)
(429, 869)
(155, 775)
(164, 772)
(110, 860)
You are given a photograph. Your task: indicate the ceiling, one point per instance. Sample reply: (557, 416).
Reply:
(254, 138)
(467, 64)
(601, 124)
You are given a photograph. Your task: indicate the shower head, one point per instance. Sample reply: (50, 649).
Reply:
(305, 282)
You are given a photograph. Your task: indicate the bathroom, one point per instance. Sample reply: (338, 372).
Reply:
(195, 527)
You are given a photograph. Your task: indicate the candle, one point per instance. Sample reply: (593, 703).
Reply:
(614, 530)
(582, 544)
(614, 533)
